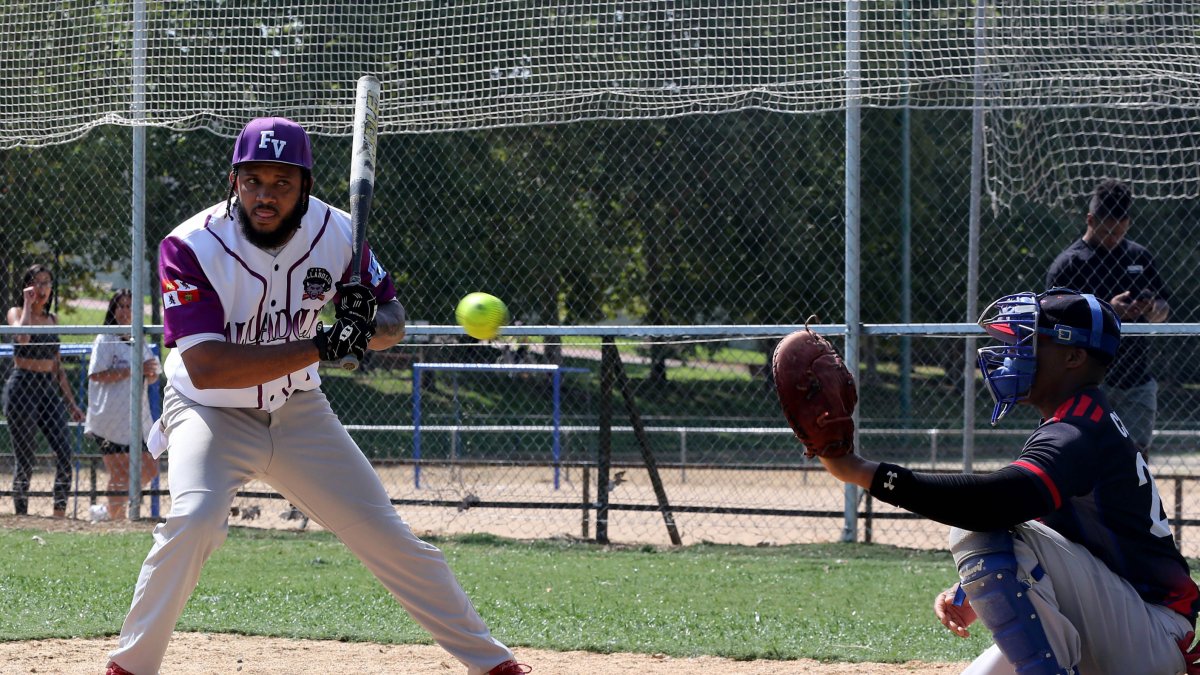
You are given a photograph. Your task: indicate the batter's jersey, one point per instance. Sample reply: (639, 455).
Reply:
(216, 285)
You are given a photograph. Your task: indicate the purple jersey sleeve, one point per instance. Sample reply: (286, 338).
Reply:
(373, 276)
(190, 305)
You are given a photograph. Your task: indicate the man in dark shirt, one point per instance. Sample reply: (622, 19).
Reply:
(1108, 265)
(1065, 554)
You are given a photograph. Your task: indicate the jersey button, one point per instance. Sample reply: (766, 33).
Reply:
(272, 303)
(272, 397)
(277, 268)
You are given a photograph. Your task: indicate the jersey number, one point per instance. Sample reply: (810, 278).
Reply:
(1158, 521)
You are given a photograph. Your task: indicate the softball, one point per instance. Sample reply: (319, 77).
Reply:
(482, 315)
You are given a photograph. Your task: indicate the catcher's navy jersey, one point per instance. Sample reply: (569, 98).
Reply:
(1079, 474)
(1104, 497)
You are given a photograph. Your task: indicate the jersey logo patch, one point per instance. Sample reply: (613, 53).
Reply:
(317, 282)
(176, 293)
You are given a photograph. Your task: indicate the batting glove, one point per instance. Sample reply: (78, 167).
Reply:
(345, 336)
(355, 301)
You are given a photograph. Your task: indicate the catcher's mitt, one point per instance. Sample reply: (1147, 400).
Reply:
(817, 393)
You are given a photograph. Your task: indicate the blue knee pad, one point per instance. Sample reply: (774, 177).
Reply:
(1001, 601)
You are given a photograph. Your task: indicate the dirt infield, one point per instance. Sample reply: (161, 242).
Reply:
(204, 654)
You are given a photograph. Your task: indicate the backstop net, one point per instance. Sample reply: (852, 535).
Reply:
(650, 164)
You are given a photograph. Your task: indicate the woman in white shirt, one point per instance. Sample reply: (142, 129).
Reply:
(109, 399)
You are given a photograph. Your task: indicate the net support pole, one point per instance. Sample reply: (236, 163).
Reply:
(608, 352)
(80, 394)
(416, 395)
(974, 225)
(585, 517)
(154, 392)
(137, 388)
(639, 431)
(853, 245)
(906, 227)
(556, 450)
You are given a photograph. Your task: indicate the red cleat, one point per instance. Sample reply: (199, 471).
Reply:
(510, 667)
(114, 669)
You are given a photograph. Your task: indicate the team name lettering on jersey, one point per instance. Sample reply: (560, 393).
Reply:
(273, 327)
(1120, 425)
(376, 271)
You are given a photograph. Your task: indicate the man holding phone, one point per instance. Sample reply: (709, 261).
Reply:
(1108, 265)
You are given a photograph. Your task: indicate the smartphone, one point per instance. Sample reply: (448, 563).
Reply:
(1145, 294)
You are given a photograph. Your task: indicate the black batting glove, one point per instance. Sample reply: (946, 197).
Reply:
(345, 336)
(355, 301)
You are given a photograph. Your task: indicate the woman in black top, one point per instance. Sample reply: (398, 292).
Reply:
(37, 394)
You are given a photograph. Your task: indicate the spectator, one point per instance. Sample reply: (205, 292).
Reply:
(1108, 265)
(109, 379)
(36, 391)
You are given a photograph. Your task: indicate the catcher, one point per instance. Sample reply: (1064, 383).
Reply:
(1065, 554)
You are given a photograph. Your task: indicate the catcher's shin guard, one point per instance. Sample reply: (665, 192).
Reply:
(987, 566)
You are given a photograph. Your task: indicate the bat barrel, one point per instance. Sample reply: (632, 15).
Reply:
(362, 177)
(366, 130)
(362, 164)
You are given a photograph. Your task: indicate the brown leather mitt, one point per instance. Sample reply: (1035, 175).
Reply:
(817, 393)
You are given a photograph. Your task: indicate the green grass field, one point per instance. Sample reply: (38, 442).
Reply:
(829, 602)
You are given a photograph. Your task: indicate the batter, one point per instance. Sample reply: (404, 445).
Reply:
(242, 284)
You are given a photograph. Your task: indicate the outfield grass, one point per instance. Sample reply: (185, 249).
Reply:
(831, 602)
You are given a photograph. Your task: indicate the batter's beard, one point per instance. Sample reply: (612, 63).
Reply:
(273, 239)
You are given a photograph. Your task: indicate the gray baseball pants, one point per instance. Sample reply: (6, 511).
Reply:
(1092, 617)
(303, 451)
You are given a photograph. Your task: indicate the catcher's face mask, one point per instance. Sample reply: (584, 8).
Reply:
(1014, 320)
(1008, 368)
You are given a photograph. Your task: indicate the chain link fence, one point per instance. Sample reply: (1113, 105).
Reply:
(658, 220)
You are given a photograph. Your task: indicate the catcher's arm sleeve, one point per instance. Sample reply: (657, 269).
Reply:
(976, 502)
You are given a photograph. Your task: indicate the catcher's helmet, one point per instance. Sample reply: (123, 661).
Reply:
(273, 139)
(1064, 316)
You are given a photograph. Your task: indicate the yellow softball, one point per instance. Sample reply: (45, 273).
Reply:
(481, 315)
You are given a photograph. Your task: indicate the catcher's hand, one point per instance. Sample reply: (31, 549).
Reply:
(817, 393)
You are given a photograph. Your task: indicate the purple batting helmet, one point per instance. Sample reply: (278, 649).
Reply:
(273, 139)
